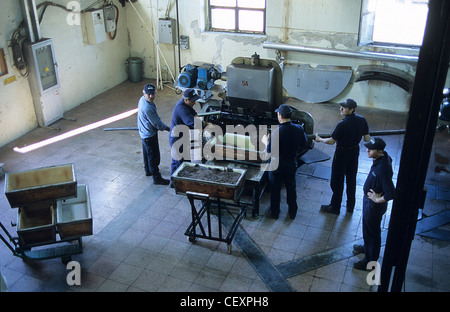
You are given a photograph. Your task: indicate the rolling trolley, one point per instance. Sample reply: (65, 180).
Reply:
(54, 213)
(197, 227)
(65, 249)
(211, 191)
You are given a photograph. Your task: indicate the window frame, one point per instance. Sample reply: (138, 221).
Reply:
(236, 14)
(366, 30)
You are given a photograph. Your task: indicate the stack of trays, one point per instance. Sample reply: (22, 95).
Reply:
(49, 202)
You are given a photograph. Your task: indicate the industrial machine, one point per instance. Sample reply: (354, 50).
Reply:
(199, 75)
(254, 91)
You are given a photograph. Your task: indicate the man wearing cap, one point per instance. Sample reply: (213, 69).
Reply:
(149, 124)
(283, 145)
(183, 114)
(346, 135)
(378, 190)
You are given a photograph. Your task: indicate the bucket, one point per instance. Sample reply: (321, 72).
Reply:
(135, 69)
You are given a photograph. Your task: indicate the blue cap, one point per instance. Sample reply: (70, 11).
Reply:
(376, 144)
(284, 110)
(149, 89)
(350, 103)
(190, 94)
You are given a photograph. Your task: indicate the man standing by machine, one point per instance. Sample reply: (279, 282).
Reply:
(378, 190)
(346, 135)
(183, 114)
(149, 124)
(289, 138)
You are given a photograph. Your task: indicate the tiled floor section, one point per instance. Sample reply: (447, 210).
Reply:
(139, 242)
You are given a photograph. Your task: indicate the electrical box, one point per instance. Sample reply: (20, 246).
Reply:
(94, 26)
(44, 81)
(184, 42)
(167, 31)
(109, 12)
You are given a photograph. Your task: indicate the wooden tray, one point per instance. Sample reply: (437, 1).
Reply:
(47, 183)
(36, 224)
(215, 188)
(74, 215)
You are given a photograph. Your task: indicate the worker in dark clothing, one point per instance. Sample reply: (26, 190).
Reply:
(346, 135)
(283, 145)
(149, 124)
(183, 114)
(378, 190)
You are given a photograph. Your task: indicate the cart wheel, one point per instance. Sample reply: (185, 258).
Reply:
(191, 239)
(229, 247)
(66, 260)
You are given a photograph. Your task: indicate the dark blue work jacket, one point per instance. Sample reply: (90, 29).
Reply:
(182, 115)
(380, 178)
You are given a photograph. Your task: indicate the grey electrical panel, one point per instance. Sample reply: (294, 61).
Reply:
(44, 81)
(167, 31)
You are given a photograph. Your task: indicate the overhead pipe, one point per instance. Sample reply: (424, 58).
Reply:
(26, 13)
(35, 20)
(412, 60)
(31, 17)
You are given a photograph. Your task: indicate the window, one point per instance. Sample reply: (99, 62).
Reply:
(243, 16)
(393, 22)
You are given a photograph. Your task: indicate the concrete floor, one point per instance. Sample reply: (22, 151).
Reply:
(139, 244)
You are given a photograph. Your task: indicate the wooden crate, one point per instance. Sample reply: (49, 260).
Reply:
(47, 183)
(74, 215)
(215, 189)
(36, 224)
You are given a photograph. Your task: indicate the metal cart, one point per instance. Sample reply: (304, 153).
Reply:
(206, 208)
(54, 212)
(64, 250)
(213, 194)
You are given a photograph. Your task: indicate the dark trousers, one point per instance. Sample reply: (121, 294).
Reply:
(284, 174)
(174, 165)
(152, 157)
(372, 216)
(344, 166)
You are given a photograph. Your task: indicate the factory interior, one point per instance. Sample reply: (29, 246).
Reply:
(73, 73)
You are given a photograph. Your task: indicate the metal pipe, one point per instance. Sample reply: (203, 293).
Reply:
(122, 128)
(26, 13)
(371, 133)
(412, 60)
(35, 21)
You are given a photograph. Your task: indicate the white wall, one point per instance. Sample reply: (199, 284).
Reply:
(84, 70)
(17, 115)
